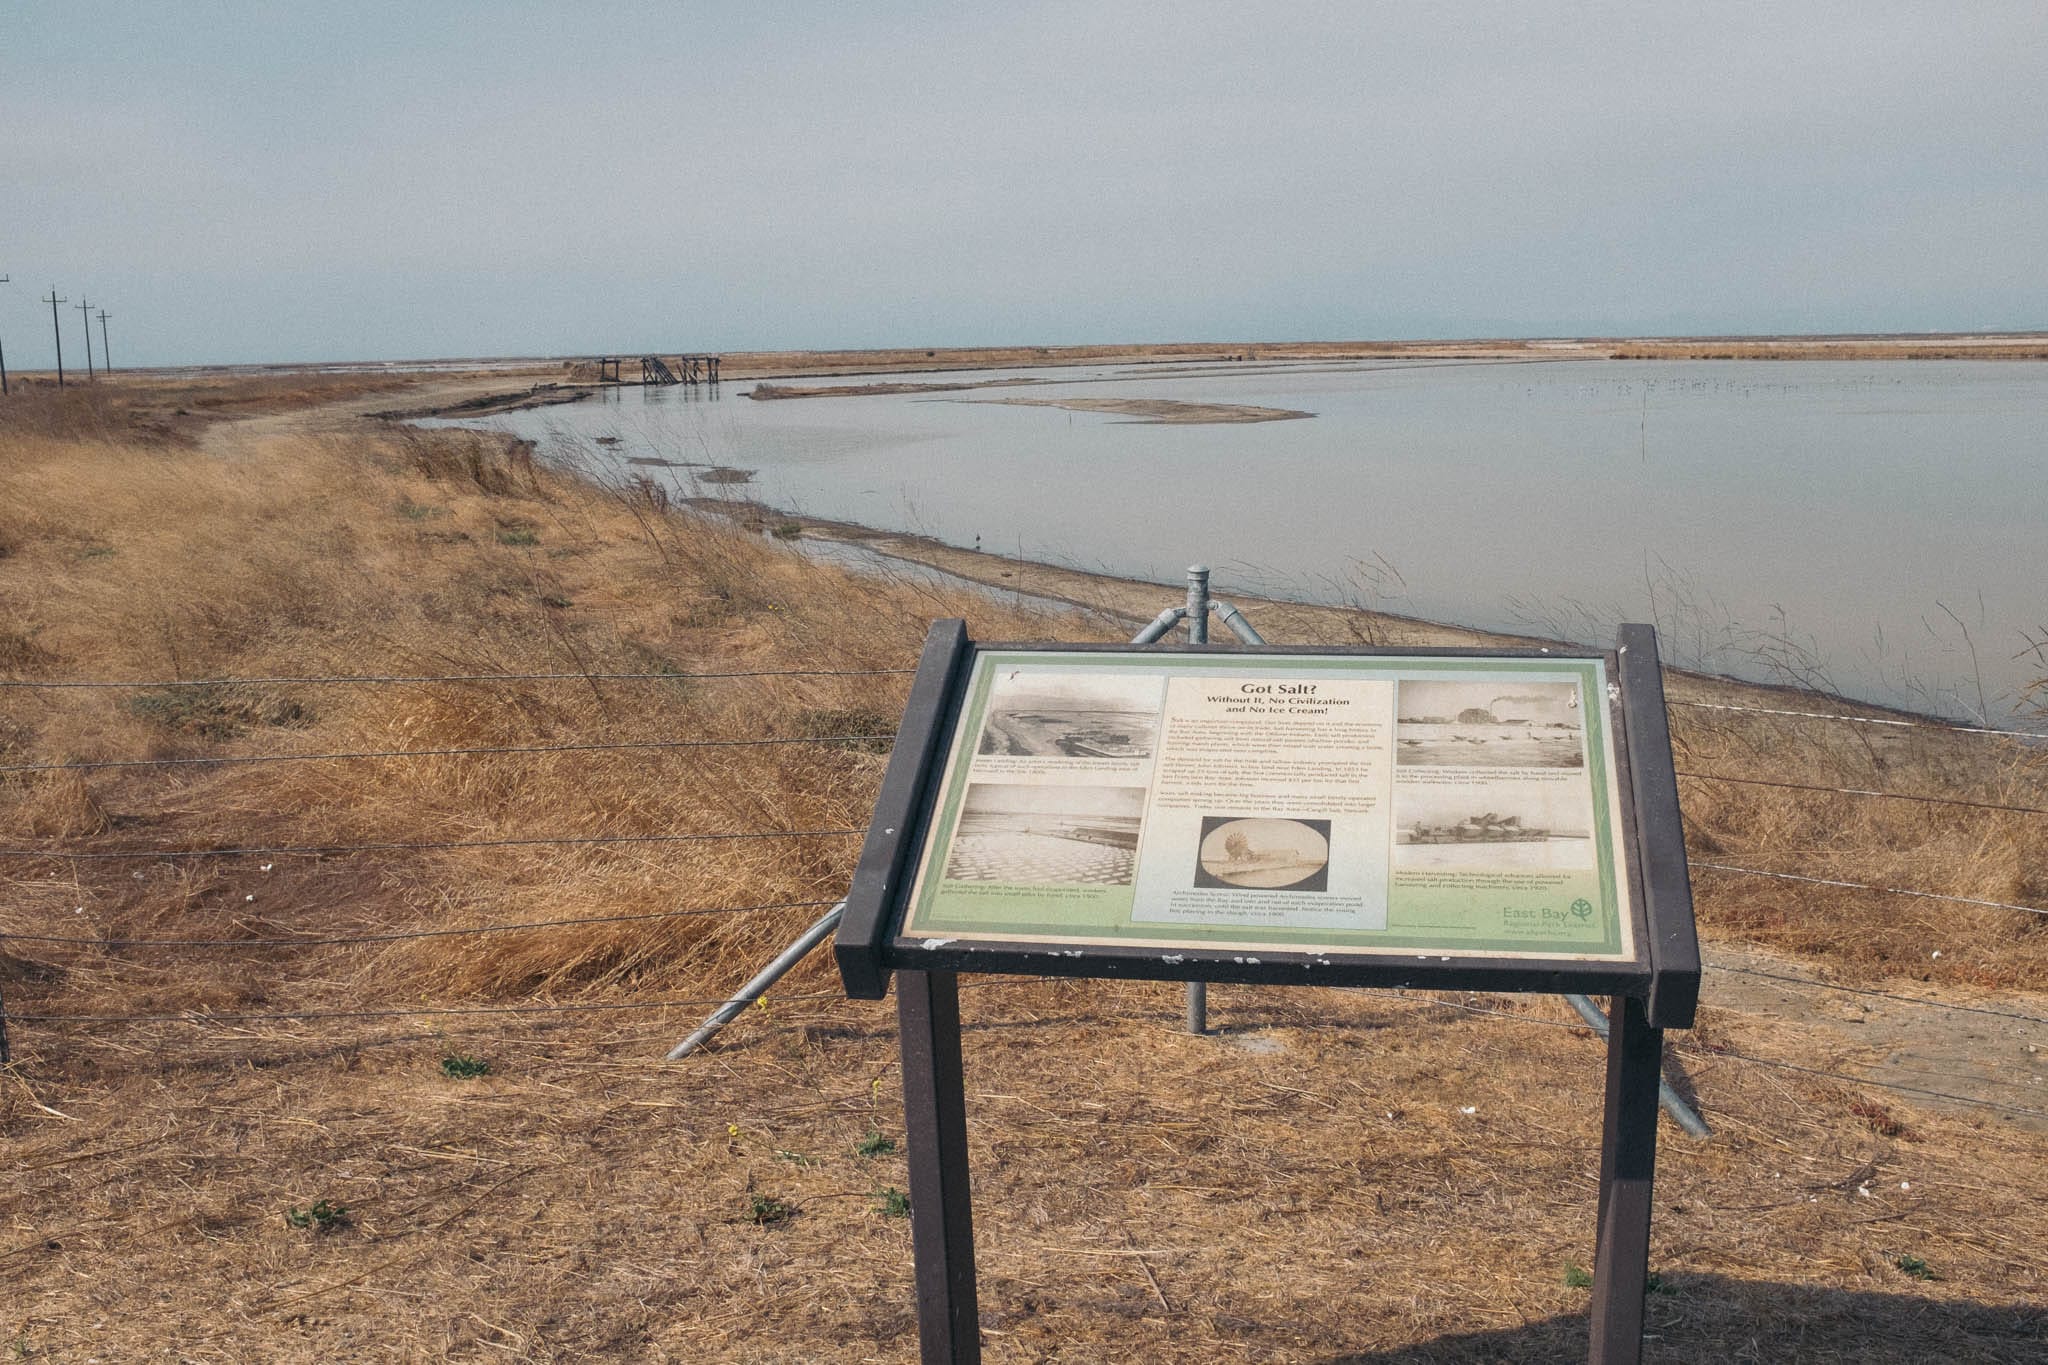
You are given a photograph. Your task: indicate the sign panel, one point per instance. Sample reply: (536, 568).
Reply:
(1400, 805)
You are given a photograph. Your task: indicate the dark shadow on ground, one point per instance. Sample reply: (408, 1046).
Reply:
(1713, 1318)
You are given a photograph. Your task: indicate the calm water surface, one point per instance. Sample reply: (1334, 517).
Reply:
(1874, 526)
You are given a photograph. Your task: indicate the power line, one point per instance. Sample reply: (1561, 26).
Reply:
(86, 308)
(57, 331)
(1864, 791)
(1865, 720)
(106, 353)
(1866, 886)
(1881, 995)
(218, 760)
(321, 850)
(396, 936)
(346, 679)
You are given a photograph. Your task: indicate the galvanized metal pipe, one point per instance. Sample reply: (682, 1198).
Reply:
(1198, 604)
(758, 987)
(1198, 633)
(1239, 627)
(1163, 622)
(1681, 1113)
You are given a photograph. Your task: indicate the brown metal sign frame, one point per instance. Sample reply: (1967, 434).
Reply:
(1656, 990)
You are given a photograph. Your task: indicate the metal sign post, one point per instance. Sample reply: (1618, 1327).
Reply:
(1196, 614)
(935, 1132)
(978, 781)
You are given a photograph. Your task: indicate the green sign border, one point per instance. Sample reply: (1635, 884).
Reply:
(1618, 943)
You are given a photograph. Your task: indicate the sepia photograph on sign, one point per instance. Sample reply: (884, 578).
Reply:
(1094, 716)
(1497, 825)
(1047, 836)
(1483, 725)
(1263, 853)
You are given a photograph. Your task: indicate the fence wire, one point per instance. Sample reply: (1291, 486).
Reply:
(411, 1012)
(199, 1019)
(1864, 791)
(1810, 984)
(1869, 886)
(1695, 1050)
(614, 746)
(401, 935)
(54, 684)
(1941, 726)
(335, 850)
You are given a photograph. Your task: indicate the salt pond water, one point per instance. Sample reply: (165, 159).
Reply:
(1874, 526)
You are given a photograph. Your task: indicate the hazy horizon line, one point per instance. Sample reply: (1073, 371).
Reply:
(1476, 339)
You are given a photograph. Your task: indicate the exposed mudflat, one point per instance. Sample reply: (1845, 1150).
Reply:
(768, 391)
(1158, 411)
(491, 403)
(712, 473)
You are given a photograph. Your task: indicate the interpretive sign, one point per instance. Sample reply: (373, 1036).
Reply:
(1395, 804)
(1444, 819)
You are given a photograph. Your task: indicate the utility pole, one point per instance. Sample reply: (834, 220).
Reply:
(106, 356)
(3, 358)
(86, 309)
(53, 301)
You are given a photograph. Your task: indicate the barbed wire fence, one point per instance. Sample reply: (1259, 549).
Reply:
(61, 1022)
(337, 850)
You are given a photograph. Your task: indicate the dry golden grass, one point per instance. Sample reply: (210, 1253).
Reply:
(433, 553)
(1307, 1186)
(1954, 850)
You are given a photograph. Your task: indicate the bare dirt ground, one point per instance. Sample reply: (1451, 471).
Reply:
(1983, 1046)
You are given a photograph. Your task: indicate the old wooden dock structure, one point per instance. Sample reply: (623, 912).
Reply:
(662, 370)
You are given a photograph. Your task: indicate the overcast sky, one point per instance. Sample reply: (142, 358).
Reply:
(295, 181)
